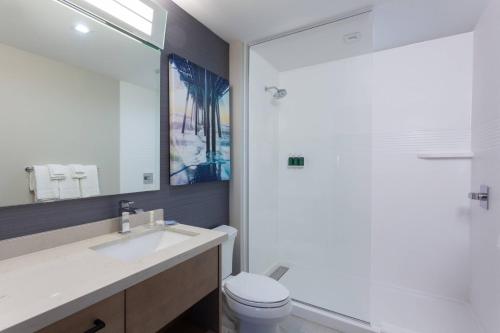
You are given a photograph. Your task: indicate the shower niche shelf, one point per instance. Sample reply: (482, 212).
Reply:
(446, 155)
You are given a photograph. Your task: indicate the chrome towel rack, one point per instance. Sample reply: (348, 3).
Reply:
(30, 169)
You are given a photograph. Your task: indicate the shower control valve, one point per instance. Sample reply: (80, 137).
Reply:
(483, 196)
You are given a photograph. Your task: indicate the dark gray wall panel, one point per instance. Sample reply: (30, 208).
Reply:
(202, 205)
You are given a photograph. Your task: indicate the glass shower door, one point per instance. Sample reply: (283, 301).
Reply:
(309, 225)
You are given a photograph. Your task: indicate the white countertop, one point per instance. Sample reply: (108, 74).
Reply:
(43, 287)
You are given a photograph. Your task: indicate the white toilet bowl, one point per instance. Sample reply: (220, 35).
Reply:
(257, 302)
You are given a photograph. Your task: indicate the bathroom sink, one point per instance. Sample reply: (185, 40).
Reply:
(138, 246)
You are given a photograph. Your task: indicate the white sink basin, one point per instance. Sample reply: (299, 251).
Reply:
(138, 246)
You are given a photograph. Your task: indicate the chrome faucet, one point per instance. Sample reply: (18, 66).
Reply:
(126, 208)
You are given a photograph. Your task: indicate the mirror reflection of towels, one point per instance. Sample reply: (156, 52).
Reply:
(57, 171)
(77, 171)
(69, 187)
(89, 185)
(45, 188)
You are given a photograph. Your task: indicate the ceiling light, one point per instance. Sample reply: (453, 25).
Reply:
(82, 28)
(134, 13)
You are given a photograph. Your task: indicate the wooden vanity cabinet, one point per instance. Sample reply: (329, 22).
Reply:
(186, 295)
(156, 302)
(110, 312)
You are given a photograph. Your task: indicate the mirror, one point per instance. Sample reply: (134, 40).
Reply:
(79, 104)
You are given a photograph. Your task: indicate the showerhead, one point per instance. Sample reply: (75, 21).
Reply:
(278, 93)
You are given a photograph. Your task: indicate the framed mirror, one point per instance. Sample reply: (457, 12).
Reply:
(79, 106)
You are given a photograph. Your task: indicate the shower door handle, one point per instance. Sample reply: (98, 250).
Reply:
(483, 196)
(478, 196)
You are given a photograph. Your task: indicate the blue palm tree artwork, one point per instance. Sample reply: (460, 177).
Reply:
(200, 128)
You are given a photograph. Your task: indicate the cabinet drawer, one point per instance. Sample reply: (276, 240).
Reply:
(111, 311)
(157, 301)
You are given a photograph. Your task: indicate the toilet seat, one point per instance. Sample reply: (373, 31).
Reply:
(256, 291)
(258, 315)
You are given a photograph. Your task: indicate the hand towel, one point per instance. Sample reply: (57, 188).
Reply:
(56, 171)
(69, 187)
(31, 180)
(77, 171)
(45, 188)
(89, 185)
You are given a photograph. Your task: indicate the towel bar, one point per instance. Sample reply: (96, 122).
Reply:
(30, 169)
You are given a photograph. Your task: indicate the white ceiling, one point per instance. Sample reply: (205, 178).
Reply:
(402, 22)
(249, 20)
(396, 22)
(328, 43)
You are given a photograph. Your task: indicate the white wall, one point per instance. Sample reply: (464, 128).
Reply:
(139, 138)
(237, 186)
(263, 166)
(485, 240)
(420, 227)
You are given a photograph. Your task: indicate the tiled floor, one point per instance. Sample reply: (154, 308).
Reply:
(291, 325)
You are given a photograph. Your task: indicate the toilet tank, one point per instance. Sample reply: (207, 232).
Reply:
(227, 249)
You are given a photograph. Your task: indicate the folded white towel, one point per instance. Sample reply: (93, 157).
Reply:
(69, 187)
(31, 179)
(45, 188)
(77, 171)
(89, 185)
(57, 171)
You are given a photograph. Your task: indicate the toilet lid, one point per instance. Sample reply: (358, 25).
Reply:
(257, 290)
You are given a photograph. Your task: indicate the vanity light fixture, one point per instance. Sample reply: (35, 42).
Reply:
(139, 7)
(133, 12)
(82, 28)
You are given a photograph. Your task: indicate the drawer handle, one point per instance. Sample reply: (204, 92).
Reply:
(98, 325)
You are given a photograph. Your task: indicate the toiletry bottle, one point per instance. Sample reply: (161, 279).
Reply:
(151, 219)
(125, 222)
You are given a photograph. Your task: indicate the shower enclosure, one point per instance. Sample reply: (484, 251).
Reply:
(310, 97)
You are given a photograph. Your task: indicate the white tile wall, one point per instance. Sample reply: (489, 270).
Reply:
(420, 226)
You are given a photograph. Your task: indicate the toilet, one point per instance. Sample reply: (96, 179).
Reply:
(257, 302)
